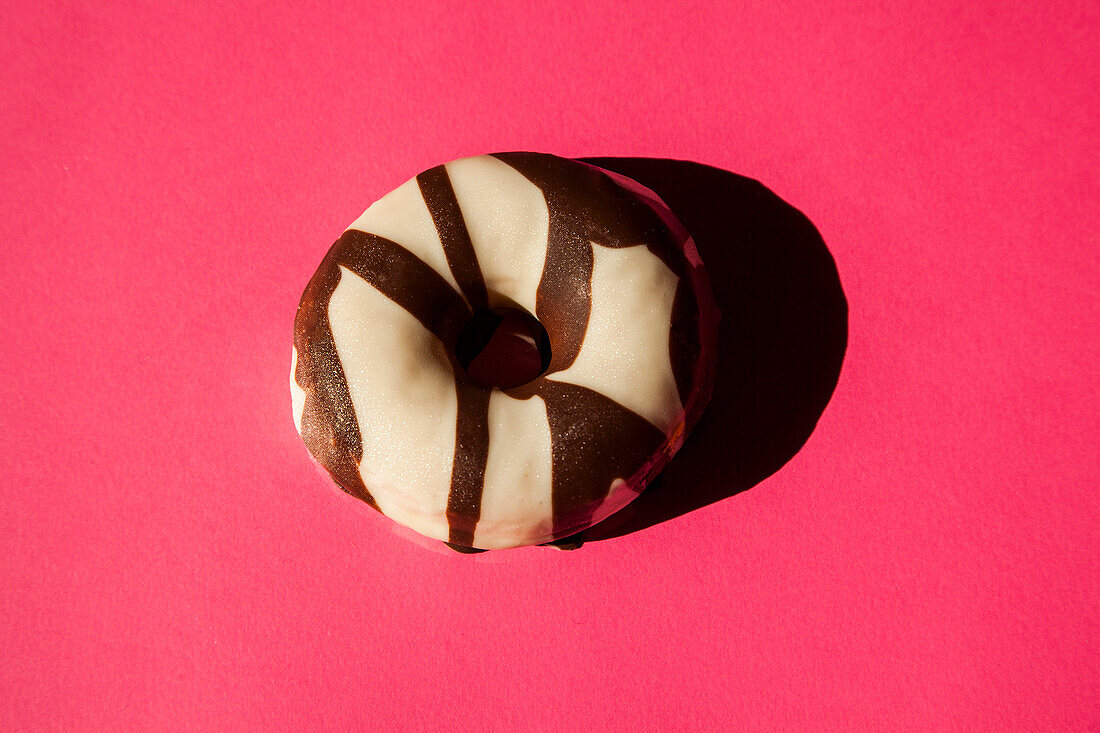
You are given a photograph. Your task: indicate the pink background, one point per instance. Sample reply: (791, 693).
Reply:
(170, 559)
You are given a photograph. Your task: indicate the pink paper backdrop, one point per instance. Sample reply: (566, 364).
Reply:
(169, 558)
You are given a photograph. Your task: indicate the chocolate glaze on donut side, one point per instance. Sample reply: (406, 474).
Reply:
(602, 453)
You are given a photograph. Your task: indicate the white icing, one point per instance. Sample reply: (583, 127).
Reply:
(625, 350)
(516, 506)
(402, 216)
(508, 222)
(297, 394)
(403, 392)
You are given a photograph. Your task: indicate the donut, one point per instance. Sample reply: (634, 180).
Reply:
(584, 277)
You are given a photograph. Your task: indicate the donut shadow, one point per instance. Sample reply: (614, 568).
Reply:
(781, 343)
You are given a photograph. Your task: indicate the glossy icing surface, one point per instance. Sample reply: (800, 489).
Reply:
(385, 406)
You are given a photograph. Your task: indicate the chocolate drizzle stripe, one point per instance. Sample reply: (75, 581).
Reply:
(407, 280)
(329, 427)
(563, 302)
(439, 195)
(594, 440)
(471, 457)
(587, 202)
(472, 428)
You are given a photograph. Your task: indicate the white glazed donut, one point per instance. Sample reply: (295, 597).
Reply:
(387, 406)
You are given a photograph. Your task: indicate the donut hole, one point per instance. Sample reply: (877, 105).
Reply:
(503, 347)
